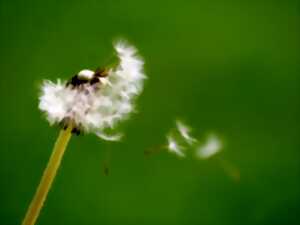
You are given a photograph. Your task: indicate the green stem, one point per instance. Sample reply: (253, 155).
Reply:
(48, 177)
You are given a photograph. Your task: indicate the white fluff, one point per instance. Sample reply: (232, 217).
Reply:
(180, 139)
(184, 131)
(212, 146)
(93, 108)
(181, 134)
(87, 74)
(174, 147)
(109, 137)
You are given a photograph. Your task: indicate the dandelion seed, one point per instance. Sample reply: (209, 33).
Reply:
(90, 102)
(110, 137)
(212, 146)
(174, 147)
(179, 139)
(184, 131)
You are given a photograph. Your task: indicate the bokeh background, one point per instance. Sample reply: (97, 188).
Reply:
(231, 67)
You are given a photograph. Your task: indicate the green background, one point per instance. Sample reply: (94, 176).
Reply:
(226, 66)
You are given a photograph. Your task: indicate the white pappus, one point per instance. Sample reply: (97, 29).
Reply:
(174, 147)
(94, 101)
(211, 147)
(179, 139)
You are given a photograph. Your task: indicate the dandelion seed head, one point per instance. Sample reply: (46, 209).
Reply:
(94, 107)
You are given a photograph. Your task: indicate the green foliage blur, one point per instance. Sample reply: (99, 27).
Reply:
(231, 67)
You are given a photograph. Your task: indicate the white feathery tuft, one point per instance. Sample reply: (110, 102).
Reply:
(174, 147)
(179, 139)
(184, 131)
(87, 74)
(110, 137)
(94, 108)
(212, 146)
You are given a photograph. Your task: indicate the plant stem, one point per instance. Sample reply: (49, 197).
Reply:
(48, 176)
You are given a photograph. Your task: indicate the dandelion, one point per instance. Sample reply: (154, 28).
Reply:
(95, 101)
(212, 146)
(90, 102)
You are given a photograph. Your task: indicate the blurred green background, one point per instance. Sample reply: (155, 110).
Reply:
(226, 66)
